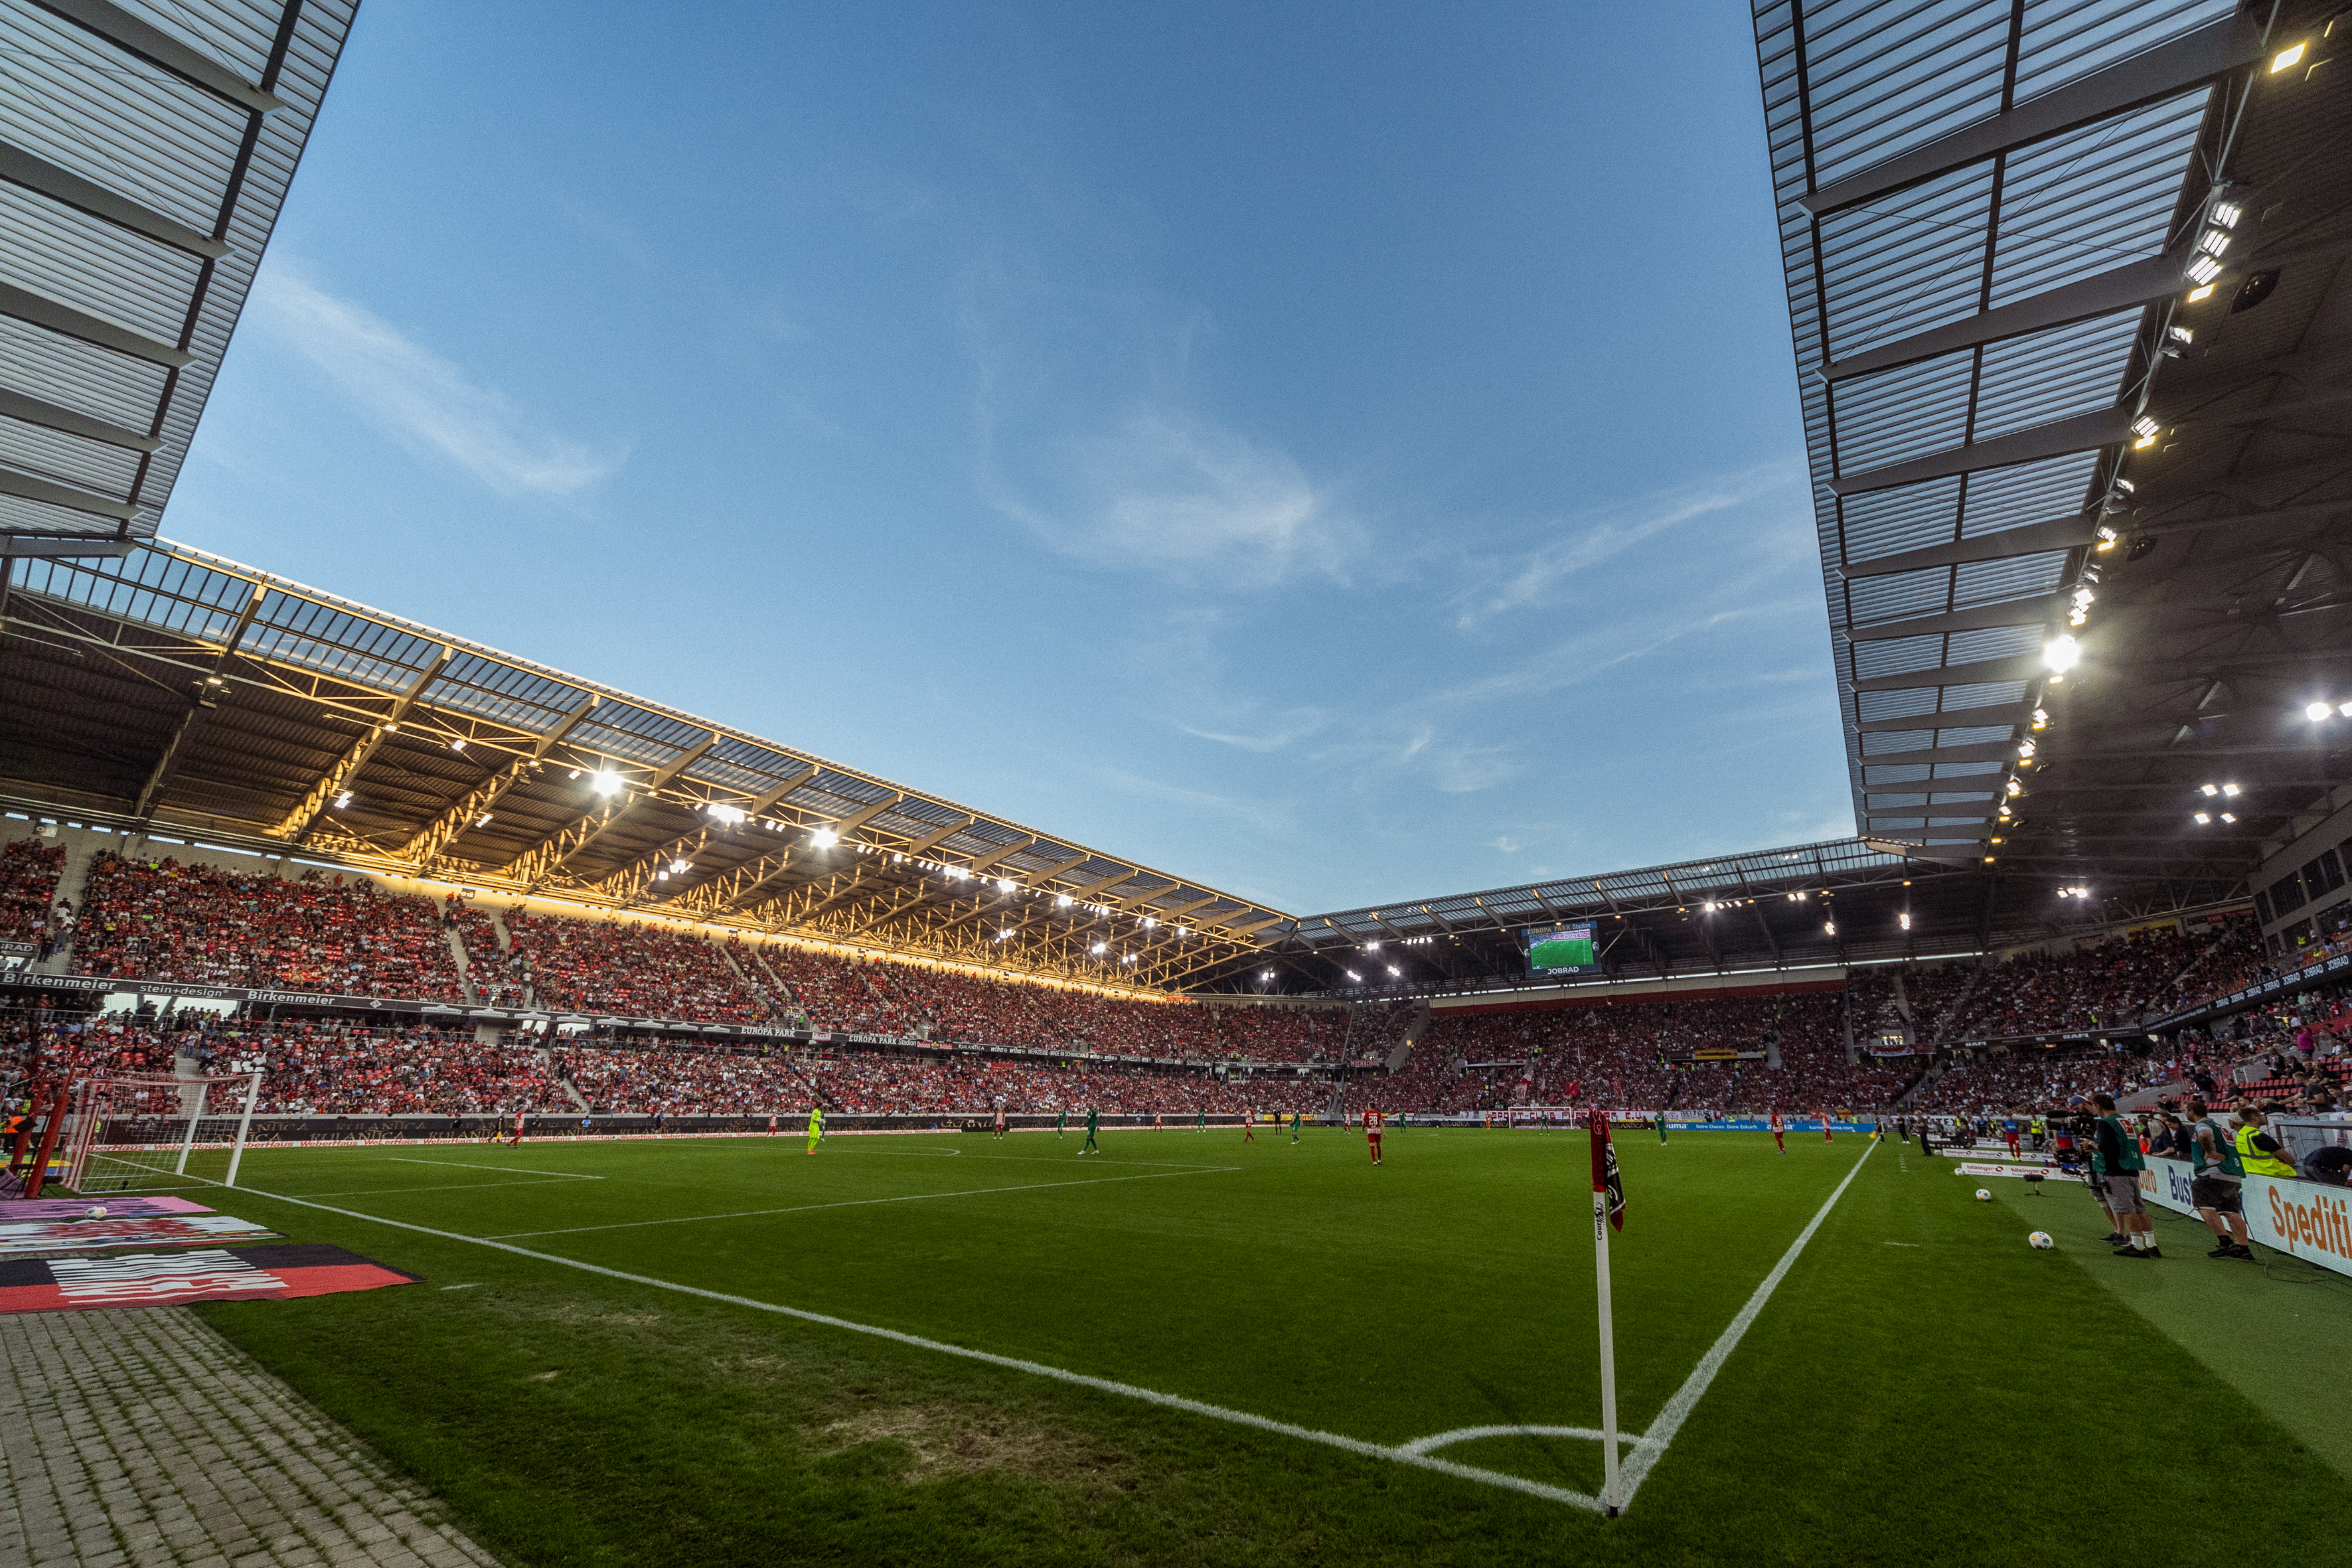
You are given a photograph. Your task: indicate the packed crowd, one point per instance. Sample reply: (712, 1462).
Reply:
(162, 920)
(632, 970)
(28, 885)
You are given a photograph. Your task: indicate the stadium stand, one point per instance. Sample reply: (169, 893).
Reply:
(631, 970)
(158, 920)
(28, 886)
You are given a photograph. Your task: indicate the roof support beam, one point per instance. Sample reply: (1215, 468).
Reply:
(48, 492)
(2059, 438)
(1929, 756)
(634, 879)
(19, 167)
(2007, 713)
(62, 548)
(984, 862)
(534, 865)
(159, 48)
(1976, 672)
(2040, 608)
(950, 831)
(64, 320)
(299, 821)
(732, 890)
(51, 416)
(203, 703)
(863, 815)
(474, 809)
(2126, 287)
(2000, 544)
(2191, 60)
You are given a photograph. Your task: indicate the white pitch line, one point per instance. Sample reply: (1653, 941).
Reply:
(395, 1192)
(1678, 1409)
(1473, 1434)
(855, 1202)
(1646, 1449)
(1012, 1364)
(478, 1165)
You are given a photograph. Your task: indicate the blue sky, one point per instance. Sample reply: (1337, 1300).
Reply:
(1339, 453)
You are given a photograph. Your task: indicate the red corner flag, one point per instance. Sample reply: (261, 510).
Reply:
(1605, 1178)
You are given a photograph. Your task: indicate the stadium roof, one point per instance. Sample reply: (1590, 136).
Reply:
(175, 690)
(2024, 393)
(144, 151)
(1802, 906)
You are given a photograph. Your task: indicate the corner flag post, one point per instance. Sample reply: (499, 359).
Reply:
(1608, 1208)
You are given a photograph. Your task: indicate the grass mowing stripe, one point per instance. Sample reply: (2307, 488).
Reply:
(478, 1165)
(1012, 1364)
(1677, 1410)
(379, 1191)
(852, 1203)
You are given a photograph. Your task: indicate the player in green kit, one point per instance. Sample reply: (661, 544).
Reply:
(1062, 1121)
(1199, 1121)
(1090, 1146)
(816, 1126)
(1662, 1126)
(1294, 1126)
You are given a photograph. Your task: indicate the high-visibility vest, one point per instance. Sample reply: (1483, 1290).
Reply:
(2256, 1163)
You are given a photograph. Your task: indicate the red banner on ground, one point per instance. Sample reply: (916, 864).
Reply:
(160, 1280)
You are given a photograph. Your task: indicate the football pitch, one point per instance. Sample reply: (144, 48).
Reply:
(1188, 1349)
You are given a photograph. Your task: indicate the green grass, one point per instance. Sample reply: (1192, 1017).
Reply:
(1921, 1387)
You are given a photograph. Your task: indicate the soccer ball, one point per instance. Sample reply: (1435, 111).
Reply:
(97, 1211)
(2039, 1241)
(1984, 1195)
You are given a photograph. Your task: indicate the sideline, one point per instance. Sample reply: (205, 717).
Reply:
(1646, 1448)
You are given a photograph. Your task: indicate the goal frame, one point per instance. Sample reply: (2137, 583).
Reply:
(94, 1105)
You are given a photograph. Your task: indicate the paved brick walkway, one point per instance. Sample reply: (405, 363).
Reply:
(137, 1436)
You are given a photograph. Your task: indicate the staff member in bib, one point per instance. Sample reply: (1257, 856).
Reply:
(2118, 1160)
(2258, 1151)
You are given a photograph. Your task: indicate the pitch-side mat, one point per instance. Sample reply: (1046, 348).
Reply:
(1642, 1450)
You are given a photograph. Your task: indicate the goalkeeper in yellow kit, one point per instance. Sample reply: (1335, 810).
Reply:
(816, 1126)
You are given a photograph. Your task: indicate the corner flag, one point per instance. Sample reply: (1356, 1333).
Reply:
(1605, 1178)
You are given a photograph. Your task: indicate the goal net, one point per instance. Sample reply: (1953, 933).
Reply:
(149, 1133)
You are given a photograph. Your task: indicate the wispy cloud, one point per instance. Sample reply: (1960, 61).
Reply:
(1586, 542)
(1290, 727)
(1168, 492)
(421, 399)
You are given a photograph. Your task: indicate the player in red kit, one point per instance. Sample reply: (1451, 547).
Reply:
(1249, 1126)
(1778, 1128)
(1372, 1123)
(1825, 1129)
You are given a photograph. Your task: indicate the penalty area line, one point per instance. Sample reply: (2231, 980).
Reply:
(1405, 1455)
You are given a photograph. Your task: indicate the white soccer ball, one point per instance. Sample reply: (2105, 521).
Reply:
(96, 1211)
(1984, 1194)
(2039, 1241)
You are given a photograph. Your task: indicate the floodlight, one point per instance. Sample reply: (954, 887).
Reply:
(680, 867)
(1905, 919)
(2212, 242)
(457, 745)
(2204, 269)
(1097, 949)
(1004, 934)
(2203, 817)
(2317, 710)
(343, 799)
(1149, 925)
(1829, 928)
(2180, 334)
(1004, 884)
(2230, 789)
(2228, 214)
(1353, 976)
(604, 782)
(824, 837)
(2345, 709)
(2061, 653)
(1061, 900)
(483, 820)
(2203, 292)
(2287, 58)
(2227, 817)
(2207, 789)
(1394, 970)
(730, 815)
(2016, 788)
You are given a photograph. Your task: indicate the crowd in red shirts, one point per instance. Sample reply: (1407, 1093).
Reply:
(626, 968)
(162, 920)
(29, 887)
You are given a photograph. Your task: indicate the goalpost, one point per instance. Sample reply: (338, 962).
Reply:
(141, 1132)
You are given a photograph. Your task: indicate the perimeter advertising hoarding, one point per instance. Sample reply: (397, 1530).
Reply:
(1566, 950)
(2302, 1219)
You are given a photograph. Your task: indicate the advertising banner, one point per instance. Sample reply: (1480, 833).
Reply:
(2302, 1219)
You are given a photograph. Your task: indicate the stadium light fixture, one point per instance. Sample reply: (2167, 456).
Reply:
(2061, 653)
(2025, 751)
(679, 867)
(1183, 931)
(730, 815)
(1394, 970)
(2228, 816)
(2040, 718)
(1061, 900)
(2345, 709)
(1004, 884)
(2200, 294)
(2231, 789)
(342, 800)
(2318, 711)
(1354, 976)
(457, 745)
(1265, 974)
(2287, 58)
(1005, 934)
(2209, 789)
(483, 820)
(1129, 959)
(604, 782)
(824, 837)
(2203, 817)
(1829, 928)
(1150, 924)
(1904, 917)
(1096, 949)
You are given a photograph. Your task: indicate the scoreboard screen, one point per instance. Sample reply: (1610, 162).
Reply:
(1567, 949)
